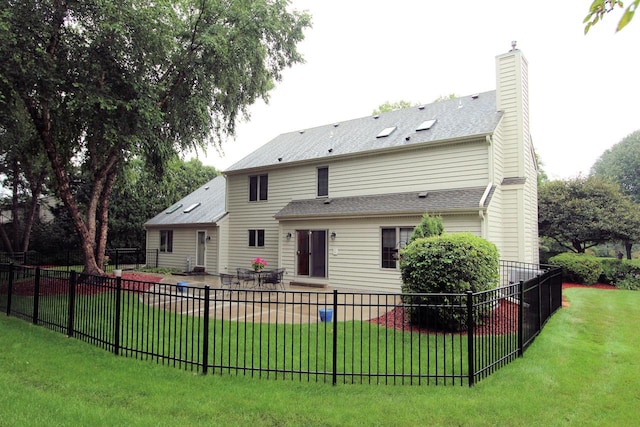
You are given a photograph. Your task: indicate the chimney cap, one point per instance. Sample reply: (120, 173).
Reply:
(513, 44)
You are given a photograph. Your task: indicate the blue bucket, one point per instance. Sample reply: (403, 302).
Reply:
(326, 314)
(182, 286)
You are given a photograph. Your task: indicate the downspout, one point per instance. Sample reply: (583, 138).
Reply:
(483, 200)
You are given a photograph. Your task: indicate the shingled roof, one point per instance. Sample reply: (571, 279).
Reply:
(457, 118)
(463, 199)
(207, 203)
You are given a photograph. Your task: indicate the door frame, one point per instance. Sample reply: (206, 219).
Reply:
(310, 253)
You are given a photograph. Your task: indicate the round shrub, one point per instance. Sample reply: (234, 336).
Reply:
(446, 264)
(578, 268)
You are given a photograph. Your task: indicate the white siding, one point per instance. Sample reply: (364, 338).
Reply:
(184, 246)
(428, 168)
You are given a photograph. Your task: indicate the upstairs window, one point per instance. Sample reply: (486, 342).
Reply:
(323, 181)
(258, 187)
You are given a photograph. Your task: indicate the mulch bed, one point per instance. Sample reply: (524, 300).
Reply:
(502, 321)
(131, 281)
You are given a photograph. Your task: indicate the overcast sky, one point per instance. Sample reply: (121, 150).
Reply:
(584, 89)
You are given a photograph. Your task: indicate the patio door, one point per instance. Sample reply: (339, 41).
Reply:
(311, 253)
(200, 248)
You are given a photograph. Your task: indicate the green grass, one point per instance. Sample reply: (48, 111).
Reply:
(582, 370)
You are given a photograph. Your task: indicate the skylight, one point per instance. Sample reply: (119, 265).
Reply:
(192, 207)
(426, 124)
(386, 132)
(174, 208)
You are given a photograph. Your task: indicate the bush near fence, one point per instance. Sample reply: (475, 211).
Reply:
(277, 334)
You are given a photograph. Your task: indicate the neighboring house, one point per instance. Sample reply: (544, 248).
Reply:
(334, 204)
(188, 234)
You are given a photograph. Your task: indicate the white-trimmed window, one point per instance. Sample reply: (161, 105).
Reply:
(166, 241)
(393, 239)
(323, 181)
(256, 238)
(258, 187)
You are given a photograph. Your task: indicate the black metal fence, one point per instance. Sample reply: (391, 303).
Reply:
(118, 258)
(337, 337)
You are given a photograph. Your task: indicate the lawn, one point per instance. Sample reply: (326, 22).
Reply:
(582, 370)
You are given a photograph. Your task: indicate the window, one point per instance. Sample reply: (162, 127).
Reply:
(258, 187)
(166, 240)
(394, 239)
(323, 181)
(256, 238)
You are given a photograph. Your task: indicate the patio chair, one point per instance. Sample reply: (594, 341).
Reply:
(275, 278)
(246, 276)
(228, 280)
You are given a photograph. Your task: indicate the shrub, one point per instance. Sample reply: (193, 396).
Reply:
(630, 282)
(429, 226)
(613, 270)
(578, 268)
(449, 264)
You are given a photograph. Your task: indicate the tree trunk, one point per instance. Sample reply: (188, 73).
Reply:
(15, 207)
(103, 213)
(627, 246)
(42, 120)
(36, 189)
(5, 240)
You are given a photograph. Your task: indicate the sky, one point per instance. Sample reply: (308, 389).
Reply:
(584, 89)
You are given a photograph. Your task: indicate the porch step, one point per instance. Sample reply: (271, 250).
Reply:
(309, 285)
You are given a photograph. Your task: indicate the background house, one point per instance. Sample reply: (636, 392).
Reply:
(187, 235)
(334, 204)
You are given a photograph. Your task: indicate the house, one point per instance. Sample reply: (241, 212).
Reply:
(187, 235)
(334, 204)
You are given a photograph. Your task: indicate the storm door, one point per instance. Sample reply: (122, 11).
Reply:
(311, 253)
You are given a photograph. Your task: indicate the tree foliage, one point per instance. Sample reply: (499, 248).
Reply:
(138, 195)
(621, 164)
(104, 80)
(584, 212)
(599, 8)
(392, 106)
(429, 226)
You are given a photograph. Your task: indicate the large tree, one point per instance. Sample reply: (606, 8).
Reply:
(621, 163)
(103, 80)
(584, 212)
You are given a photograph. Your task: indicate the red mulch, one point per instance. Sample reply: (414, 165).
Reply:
(503, 320)
(131, 281)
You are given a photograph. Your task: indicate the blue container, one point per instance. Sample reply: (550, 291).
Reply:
(182, 286)
(326, 314)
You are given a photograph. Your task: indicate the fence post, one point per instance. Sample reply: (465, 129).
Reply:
(10, 289)
(36, 296)
(470, 343)
(334, 374)
(521, 319)
(157, 256)
(73, 279)
(116, 332)
(539, 304)
(205, 338)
